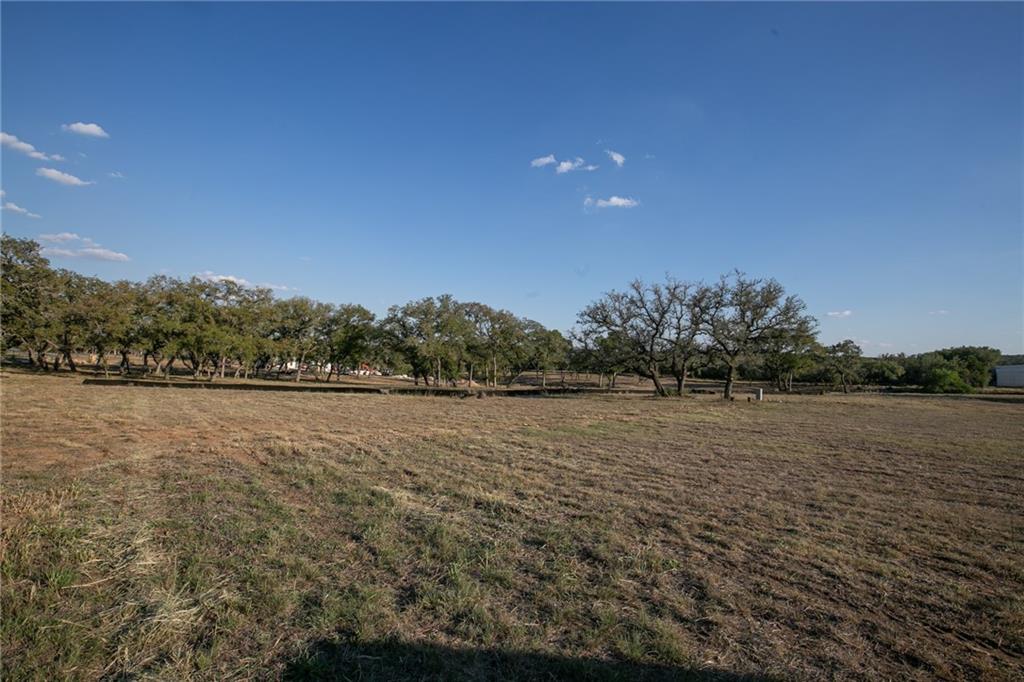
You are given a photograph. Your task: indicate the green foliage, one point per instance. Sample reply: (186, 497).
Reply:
(944, 380)
(973, 365)
(882, 371)
(843, 362)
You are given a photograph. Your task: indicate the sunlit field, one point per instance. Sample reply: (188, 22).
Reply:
(232, 534)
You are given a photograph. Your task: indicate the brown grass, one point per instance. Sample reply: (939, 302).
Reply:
(190, 534)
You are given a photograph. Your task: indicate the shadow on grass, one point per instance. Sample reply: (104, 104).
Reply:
(392, 660)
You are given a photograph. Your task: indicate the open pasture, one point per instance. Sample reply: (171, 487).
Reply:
(252, 535)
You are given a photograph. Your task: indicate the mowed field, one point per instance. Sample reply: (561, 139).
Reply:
(173, 534)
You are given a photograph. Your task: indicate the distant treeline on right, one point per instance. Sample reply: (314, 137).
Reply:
(951, 370)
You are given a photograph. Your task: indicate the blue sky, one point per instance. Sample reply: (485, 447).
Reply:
(868, 156)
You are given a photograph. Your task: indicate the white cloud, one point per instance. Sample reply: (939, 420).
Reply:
(90, 129)
(54, 251)
(939, 312)
(576, 164)
(63, 237)
(115, 174)
(102, 254)
(840, 313)
(94, 252)
(62, 178)
(617, 202)
(618, 158)
(25, 148)
(77, 246)
(210, 276)
(543, 161)
(14, 208)
(566, 166)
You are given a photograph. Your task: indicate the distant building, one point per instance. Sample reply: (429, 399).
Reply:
(1010, 375)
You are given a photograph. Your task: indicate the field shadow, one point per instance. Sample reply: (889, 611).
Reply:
(394, 660)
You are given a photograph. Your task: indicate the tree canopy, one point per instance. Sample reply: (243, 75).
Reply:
(737, 326)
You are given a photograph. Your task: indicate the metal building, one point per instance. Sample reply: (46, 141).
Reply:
(1010, 375)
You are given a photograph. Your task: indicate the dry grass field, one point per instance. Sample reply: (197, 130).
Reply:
(170, 534)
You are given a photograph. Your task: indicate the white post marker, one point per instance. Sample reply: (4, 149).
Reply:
(760, 394)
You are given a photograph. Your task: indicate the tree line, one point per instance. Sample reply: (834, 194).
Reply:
(665, 332)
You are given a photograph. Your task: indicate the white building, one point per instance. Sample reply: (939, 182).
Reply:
(1010, 375)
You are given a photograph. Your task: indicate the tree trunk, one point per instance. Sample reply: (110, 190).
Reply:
(658, 388)
(167, 369)
(681, 382)
(223, 362)
(126, 365)
(471, 375)
(70, 361)
(730, 378)
(298, 368)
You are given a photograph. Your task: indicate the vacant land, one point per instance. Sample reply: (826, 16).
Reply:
(172, 534)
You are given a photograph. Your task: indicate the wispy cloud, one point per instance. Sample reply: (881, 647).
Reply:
(611, 202)
(576, 164)
(76, 246)
(14, 208)
(618, 158)
(115, 174)
(938, 312)
(64, 237)
(90, 129)
(12, 142)
(868, 343)
(840, 313)
(62, 178)
(566, 166)
(100, 253)
(210, 276)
